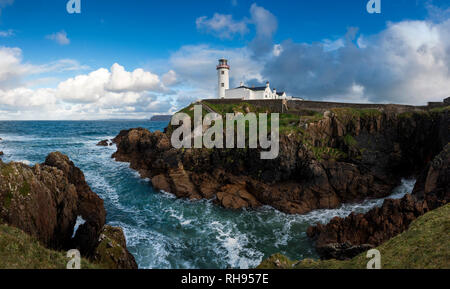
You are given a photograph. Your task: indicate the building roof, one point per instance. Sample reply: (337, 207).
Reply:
(260, 88)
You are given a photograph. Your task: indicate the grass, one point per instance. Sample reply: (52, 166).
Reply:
(348, 115)
(349, 140)
(440, 109)
(20, 251)
(425, 245)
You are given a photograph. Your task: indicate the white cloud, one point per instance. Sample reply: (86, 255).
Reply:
(222, 26)
(329, 45)
(169, 78)
(101, 93)
(84, 88)
(11, 66)
(408, 62)
(59, 37)
(137, 81)
(13, 71)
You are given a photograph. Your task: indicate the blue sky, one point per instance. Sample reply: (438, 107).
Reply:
(331, 43)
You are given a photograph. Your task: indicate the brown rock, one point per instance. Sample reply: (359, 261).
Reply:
(160, 183)
(45, 200)
(103, 143)
(89, 205)
(344, 157)
(182, 185)
(343, 237)
(112, 250)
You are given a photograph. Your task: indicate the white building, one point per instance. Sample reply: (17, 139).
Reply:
(243, 92)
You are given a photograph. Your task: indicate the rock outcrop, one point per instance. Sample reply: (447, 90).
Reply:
(111, 250)
(346, 156)
(104, 143)
(45, 200)
(344, 238)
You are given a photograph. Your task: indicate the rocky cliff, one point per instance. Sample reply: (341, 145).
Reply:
(344, 238)
(45, 201)
(346, 155)
(424, 245)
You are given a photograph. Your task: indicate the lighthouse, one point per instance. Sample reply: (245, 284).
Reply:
(223, 75)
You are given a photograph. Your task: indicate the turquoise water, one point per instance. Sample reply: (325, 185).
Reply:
(162, 231)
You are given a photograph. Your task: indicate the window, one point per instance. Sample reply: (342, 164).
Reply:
(223, 84)
(223, 72)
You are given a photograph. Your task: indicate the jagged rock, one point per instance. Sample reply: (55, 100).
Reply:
(344, 157)
(39, 200)
(45, 200)
(432, 190)
(89, 205)
(104, 143)
(342, 251)
(111, 250)
(160, 183)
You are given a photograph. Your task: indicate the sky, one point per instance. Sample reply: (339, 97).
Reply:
(134, 58)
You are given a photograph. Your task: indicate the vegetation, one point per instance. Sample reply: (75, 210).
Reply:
(423, 246)
(440, 109)
(20, 251)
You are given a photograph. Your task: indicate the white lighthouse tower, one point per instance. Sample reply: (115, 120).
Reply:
(223, 75)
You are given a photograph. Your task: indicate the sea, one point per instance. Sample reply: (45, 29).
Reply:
(163, 231)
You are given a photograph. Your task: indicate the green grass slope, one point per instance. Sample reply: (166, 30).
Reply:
(425, 245)
(20, 251)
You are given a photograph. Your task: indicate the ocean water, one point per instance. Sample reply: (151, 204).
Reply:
(162, 231)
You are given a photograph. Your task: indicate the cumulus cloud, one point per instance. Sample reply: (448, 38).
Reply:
(103, 93)
(406, 63)
(11, 66)
(266, 25)
(59, 37)
(169, 78)
(137, 80)
(225, 27)
(222, 26)
(13, 70)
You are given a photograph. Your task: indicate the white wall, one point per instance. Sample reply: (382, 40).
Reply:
(245, 93)
(223, 78)
(241, 93)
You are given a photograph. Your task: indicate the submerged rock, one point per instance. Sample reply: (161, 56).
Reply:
(104, 143)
